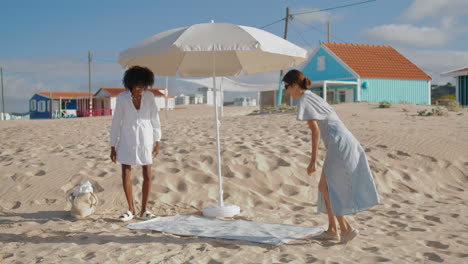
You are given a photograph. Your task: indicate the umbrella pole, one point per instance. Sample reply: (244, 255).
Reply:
(218, 149)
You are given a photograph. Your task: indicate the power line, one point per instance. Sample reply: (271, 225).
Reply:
(332, 8)
(319, 30)
(318, 10)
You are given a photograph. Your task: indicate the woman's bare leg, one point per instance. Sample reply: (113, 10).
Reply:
(127, 186)
(323, 188)
(146, 187)
(345, 227)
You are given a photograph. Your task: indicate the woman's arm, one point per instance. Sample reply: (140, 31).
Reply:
(156, 127)
(315, 144)
(115, 128)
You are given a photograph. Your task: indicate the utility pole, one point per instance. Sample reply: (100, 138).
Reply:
(3, 97)
(329, 33)
(89, 85)
(280, 90)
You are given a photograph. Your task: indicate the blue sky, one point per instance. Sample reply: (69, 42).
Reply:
(44, 44)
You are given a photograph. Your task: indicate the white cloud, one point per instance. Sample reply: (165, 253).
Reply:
(435, 62)
(312, 18)
(421, 9)
(407, 35)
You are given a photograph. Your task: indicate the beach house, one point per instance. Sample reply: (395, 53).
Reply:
(105, 99)
(343, 72)
(461, 84)
(47, 105)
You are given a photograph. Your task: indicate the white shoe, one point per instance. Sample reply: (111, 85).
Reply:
(326, 236)
(126, 216)
(147, 215)
(349, 236)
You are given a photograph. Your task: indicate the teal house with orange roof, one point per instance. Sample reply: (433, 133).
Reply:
(461, 84)
(342, 72)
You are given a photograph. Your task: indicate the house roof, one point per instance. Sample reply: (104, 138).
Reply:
(56, 95)
(113, 92)
(455, 73)
(461, 70)
(376, 61)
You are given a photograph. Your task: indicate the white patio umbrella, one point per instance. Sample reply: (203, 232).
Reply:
(209, 50)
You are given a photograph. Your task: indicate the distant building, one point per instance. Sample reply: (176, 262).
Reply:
(358, 72)
(461, 84)
(245, 101)
(182, 99)
(196, 99)
(208, 96)
(105, 98)
(48, 105)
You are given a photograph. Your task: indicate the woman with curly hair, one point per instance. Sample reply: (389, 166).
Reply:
(346, 185)
(135, 134)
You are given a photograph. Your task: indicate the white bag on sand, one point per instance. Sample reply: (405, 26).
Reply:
(83, 200)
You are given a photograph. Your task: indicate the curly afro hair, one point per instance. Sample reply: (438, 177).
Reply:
(137, 75)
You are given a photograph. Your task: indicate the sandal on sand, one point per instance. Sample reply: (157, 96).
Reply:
(349, 236)
(147, 215)
(126, 216)
(326, 236)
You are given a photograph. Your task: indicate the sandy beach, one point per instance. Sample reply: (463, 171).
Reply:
(420, 166)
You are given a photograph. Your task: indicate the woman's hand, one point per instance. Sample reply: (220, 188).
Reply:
(311, 168)
(156, 149)
(113, 155)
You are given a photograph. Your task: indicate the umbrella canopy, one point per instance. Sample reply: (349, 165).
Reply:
(214, 49)
(191, 51)
(230, 85)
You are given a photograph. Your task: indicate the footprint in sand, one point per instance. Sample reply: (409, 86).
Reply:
(281, 162)
(374, 259)
(90, 256)
(40, 173)
(382, 146)
(102, 174)
(298, 208)
(432, 218)
(13, 205)
(289, 190)
(429, 158)
(436, 244)
(401, 153)
(206, 158)
(371, 249)
(50, 201)
(173, 170)
(181, 186)
(399, 224)
(415, 229)
(433, 257)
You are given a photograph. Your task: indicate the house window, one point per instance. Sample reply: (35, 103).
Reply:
(64, 104)
(33, 105)
(41, 106)
(342, 96)
(320, 63)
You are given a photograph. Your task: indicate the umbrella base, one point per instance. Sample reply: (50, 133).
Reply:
(228, 210)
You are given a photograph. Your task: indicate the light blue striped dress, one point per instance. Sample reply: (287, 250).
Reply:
(350, 183)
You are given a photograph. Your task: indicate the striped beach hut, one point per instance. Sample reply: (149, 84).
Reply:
(47, 105)
(344, 72)
(461, 84)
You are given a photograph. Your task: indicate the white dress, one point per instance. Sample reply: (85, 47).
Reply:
(134, 132)
(350, 184)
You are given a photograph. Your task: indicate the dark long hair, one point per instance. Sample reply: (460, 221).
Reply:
(137, 75)
(295, 76)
